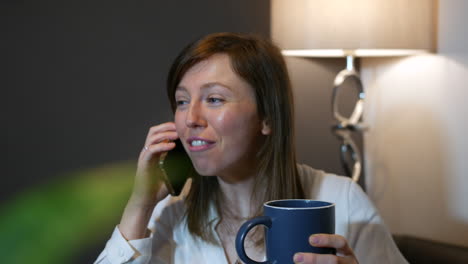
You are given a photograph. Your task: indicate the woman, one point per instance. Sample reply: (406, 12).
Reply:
(233, 108)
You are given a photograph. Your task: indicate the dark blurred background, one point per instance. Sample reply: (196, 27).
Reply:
(84, 80)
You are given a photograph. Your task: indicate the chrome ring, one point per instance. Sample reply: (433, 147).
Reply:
(354, 120)
(348, 147)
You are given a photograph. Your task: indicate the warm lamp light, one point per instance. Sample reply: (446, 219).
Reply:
(350, 25)
(336, 53)
(353, 28)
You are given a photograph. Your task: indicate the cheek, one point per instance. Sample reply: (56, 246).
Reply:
(223, 120)
(179, 121)
(239, 122)
(227, 121)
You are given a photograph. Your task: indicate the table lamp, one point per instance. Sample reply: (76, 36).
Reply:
(352, 29)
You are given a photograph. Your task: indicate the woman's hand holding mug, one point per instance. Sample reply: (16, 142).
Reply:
(345, 254)
(289, 224)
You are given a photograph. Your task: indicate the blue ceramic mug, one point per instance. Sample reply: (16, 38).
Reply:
(289, 224)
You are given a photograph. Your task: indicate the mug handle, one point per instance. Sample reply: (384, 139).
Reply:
(242, 234)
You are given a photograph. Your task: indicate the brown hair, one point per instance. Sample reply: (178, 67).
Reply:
(260, 63)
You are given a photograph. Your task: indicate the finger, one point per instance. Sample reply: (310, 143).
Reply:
(311, 258)
(332, 241)
(161, 137)
(154, 151)
(161, 128)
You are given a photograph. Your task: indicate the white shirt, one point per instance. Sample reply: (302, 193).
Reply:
(170, 241)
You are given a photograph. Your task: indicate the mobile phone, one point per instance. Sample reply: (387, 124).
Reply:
(176, 167)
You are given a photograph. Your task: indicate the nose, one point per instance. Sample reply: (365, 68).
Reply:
(194, 116)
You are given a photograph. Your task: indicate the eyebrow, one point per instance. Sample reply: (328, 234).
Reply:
(206, 86)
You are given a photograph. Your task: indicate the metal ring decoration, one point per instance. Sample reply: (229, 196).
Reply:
(348, 147)
(353, 121)
(347, 124)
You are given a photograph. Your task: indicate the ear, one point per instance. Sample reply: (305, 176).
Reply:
(266, 129)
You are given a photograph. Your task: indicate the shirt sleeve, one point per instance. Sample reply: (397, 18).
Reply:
(158, 248)
(119, 250)
(368, 235)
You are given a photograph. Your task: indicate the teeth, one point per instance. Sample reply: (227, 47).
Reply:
(198, 143)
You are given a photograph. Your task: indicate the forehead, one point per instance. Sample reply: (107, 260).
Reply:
(216, 69)
(217, 65)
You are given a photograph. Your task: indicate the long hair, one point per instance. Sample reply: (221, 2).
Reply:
(260, 63)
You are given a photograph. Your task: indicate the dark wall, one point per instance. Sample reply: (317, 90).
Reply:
(84, 80)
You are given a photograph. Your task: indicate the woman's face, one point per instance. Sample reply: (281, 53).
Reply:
(217, 120)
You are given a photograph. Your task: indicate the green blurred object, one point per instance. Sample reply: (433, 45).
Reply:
(53, 223)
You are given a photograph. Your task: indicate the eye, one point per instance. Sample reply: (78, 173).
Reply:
(181, 102)
(215, 100)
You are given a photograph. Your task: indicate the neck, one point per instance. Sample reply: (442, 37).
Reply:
(238, 198)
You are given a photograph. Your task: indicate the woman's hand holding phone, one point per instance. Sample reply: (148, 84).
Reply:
(148, 177)
(148, 187)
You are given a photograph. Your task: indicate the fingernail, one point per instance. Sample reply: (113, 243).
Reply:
(314, 239)
(298, 257)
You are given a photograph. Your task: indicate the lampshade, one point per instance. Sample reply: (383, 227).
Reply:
(334, 28)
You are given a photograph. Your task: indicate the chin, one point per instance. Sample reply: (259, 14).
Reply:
(204, 171)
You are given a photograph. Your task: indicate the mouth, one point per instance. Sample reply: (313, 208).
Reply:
(199, 144)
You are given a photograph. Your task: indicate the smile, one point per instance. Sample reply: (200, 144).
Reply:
(199, 144)
(196, 143)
